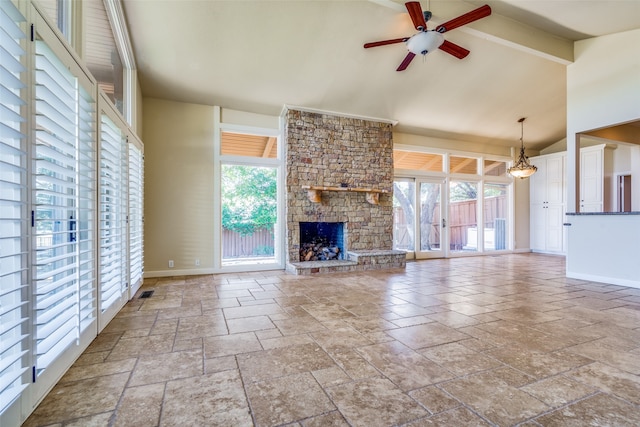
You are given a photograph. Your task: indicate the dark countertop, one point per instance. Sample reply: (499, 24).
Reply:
(602, 213)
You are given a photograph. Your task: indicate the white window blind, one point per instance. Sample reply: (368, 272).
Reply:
(86, 224)
(136, 215)
(113, 193)
(64, 173)
(14, 329)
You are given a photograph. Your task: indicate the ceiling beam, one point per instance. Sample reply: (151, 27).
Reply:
(399, 157)
(268, 146)
(492, 166)
(434, 159)
(499, 29)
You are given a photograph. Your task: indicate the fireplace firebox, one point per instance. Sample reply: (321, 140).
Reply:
(322, 241)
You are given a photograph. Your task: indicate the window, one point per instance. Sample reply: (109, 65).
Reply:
(496, 214)
(14, 342)
(236, 144)
(101, 52)
(59, 13)
(249, 161)
(466, 165)
(495, 168)
(428, 162)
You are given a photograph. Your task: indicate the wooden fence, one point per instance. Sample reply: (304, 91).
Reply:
(462, 217)
(235, 245)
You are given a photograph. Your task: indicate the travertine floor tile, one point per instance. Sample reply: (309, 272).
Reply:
(213, 399)
(228, 345)
(403, 366)
(374, 402)
(434, 399)
(167, 366)
(428, 335)
(600, 410)
(140, 406)
(503, 340)
(459, 417)
(262, 365)
(79, 399)
(558, 391)
(495, 399)
(287, 399)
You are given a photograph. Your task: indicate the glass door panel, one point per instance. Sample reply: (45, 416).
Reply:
(430, 227)
(463, 210)
(404, 207)
(496, 216)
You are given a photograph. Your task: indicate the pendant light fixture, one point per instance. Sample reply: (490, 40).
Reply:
(522, 168)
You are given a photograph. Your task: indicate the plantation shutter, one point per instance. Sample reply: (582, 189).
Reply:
(14, 328)
(113, 192)
(136, 215)
(86, 224)
(64, 181)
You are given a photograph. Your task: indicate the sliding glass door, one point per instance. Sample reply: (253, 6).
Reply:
(418, 227)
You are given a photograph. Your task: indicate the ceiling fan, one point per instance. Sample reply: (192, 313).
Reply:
(426, 41)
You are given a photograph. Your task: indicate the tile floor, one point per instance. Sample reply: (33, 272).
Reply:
(496, 340)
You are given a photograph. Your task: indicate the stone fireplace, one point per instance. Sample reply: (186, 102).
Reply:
(339, 170)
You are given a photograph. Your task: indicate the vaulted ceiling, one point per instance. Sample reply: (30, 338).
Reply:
(259, 55)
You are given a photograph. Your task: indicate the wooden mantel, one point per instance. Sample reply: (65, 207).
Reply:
(314, 193)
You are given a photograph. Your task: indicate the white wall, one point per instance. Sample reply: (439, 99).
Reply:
(603, 89)
(635, 179)
(596, 249)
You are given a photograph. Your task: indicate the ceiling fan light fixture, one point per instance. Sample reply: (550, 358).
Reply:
(522, 168)
(425, 42)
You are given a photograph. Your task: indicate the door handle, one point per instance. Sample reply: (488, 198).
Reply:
(444, 223)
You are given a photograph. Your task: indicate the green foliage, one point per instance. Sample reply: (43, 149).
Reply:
(249, 200)
(463, 191)
(263, 250)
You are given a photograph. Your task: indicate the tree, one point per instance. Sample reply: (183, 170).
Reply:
(429, 199)
(249, 198)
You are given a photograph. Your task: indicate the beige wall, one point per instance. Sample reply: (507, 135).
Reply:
(178, 140)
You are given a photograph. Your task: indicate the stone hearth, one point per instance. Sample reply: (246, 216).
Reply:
(342, 152)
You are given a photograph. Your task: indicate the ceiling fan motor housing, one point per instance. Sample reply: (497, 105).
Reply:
(424, 42)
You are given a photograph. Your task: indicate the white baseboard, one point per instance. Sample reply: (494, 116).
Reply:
(200, 271)
(175, 272)
(522, 251)
(602, 279)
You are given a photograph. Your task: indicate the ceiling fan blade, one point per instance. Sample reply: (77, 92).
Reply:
(461, 20)
(406, 61)
(415, 12)
(453, 49)
(385, 42)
